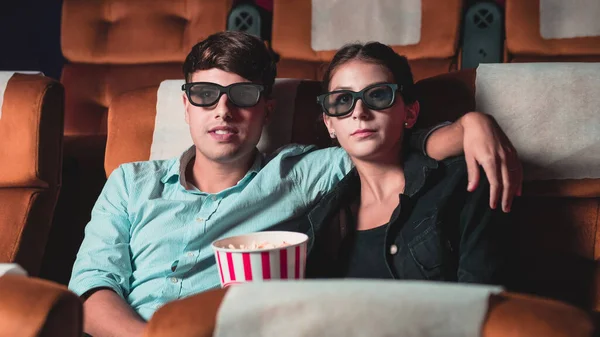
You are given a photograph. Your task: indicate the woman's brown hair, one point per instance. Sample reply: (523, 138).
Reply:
(377, 53)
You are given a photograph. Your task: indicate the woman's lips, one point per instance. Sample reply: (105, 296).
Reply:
(363, 133)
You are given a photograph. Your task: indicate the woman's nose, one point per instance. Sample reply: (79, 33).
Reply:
(360, 110)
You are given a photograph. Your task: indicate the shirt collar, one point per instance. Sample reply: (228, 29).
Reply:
(416, 169)
(177, 169)
(179, 165)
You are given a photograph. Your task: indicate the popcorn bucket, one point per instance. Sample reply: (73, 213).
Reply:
(261, 256)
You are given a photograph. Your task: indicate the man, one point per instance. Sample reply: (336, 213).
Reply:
(148, 241)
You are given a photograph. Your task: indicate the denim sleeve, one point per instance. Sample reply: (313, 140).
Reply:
(418, 138)
(483, 239)
(103, 259)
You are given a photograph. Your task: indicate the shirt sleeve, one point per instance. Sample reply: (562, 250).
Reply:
(315, 172)
(483, 239)
(103, 260)
(418, 138)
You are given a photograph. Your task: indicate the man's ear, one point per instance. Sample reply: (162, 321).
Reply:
(269, 109)
(412, 114)
(186, 104)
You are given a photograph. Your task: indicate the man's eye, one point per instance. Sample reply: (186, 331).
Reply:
(207, 95)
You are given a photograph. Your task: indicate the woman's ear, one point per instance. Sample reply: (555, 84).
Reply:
(412, 114)
(329, 125)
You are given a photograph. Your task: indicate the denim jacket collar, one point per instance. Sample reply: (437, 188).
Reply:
(417, 168)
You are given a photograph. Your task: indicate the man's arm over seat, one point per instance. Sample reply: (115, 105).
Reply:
(484, 144)
(103, 267)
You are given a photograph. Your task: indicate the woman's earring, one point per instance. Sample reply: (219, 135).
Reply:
(332, 134)
(406, 124)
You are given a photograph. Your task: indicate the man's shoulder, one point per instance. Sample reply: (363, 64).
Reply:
(304, 151)
(290, 150)
(147, 170)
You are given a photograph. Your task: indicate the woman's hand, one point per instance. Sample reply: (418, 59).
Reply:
(486, 144)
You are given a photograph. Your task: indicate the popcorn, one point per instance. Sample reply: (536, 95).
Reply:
(261, 245)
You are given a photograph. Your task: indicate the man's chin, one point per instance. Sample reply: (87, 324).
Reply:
(227, 156)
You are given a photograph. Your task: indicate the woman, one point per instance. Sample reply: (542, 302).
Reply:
(407, 216)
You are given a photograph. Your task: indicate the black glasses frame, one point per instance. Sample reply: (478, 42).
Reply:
(222, 90)
(356, 95)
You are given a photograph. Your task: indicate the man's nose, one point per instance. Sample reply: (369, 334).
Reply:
(223, 108)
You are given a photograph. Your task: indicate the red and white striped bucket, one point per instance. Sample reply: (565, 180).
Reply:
(252, 265)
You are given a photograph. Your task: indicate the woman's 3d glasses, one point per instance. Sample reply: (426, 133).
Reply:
(341, 102)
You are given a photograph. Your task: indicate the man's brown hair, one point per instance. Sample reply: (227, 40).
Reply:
(235, 52)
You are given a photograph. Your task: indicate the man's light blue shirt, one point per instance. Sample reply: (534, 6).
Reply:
(149, 237)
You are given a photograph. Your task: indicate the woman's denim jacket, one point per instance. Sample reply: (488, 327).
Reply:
(439, 230)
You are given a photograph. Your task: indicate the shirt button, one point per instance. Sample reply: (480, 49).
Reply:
(190, 254)
(214, 198)
(393, 249)
(174, 280)
(199, 219)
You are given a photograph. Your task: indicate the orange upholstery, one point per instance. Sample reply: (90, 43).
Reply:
(509, 315)
(434, 54)
(155, 37)
(33, 307)
(525, 42)
(91, 88)
(137, 31)
(31, 128)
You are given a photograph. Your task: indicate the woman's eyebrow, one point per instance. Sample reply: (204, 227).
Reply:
(349, 88)
(341, 88)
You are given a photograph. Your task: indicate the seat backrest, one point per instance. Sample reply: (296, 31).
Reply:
(116, 46)
(550, 112)
(148, 124)
(552, 30)
(31, 125)
(307, 33)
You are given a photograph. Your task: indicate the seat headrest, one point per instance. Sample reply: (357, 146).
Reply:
(133, 32)
(553, 28)
(550, 113)
(31, 128)
(149, 124)
(313, 30)
(398, 22)
(172, 134)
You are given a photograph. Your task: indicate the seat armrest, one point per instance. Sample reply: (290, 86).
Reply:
(509, 315)
(517, 315)
(192, 316)
(32, 307)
